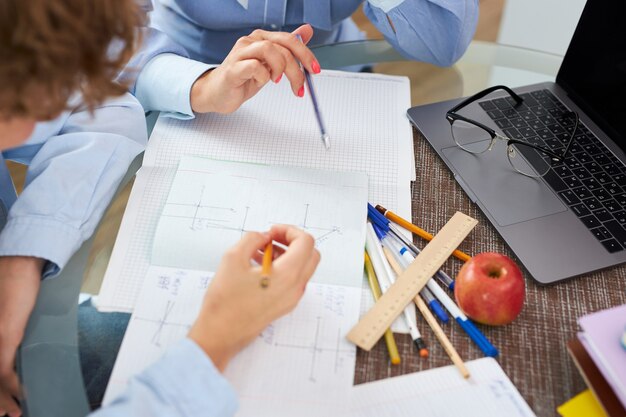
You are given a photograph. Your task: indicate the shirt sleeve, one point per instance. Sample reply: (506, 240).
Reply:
(433, 31)
(165, 82)
(183, 383)
(71, 180)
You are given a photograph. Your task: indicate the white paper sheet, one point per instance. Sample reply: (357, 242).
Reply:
(442, 392)
(213, 203)
(297, 361)
(365, 114)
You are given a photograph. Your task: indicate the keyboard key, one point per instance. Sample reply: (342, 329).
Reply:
(503, 123)
(580, 210)
(612, 169)
(582, 192)
(613, 188)
(529, 100)
(544, 134)
(620, 199)
(592, 149)
(509, 113)
(584, 158)
(612, 246)
(591, 183)
(562, 171)
(569, 197)
(572, 181)
(604, 178)
(554, 144)
(527, 132)
(572, 162)
(619, 178)
(487, 105)
(590, 221)
(592, 203)
(539, 111)
(501, 103)
(518, 122)
(617, 231)
(581, 173)
(593, 167)
(612, 206)
(620, 216)
(601, 194)
(555, 129)
(603, 215)
(602, 159)
(536, 124)
(495, 114)
(554, 181)
(601, 233)
(512, 133)
(547, 119)
(527, 115)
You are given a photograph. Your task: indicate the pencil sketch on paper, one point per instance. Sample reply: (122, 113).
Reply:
(308, 345)
(211, 205)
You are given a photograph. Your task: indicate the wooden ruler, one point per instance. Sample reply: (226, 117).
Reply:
(372, 326)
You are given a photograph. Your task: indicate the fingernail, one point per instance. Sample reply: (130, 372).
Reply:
(301, 92)
(278, 79)
(315, 66)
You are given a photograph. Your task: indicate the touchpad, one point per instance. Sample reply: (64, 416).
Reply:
(509, 196)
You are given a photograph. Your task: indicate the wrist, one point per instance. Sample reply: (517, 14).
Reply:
(199, 97)
(216, 341)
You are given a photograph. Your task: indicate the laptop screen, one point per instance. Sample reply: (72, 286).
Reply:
(594, 69)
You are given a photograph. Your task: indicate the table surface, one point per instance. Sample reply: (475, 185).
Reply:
(533, 348)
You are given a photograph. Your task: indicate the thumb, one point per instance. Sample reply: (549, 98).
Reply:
(305, 31)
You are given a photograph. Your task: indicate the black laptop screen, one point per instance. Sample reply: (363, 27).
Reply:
(594, 69)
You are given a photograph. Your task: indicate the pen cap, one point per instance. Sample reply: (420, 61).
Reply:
(376, 215)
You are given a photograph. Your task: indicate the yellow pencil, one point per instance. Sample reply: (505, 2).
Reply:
(266, 267)
(389, 340)
(417, 230)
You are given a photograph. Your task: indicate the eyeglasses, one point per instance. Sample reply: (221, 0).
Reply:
(531, 160)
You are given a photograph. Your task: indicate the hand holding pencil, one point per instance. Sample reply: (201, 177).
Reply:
(236, 308)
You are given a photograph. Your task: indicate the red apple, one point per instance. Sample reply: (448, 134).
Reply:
(490, 289)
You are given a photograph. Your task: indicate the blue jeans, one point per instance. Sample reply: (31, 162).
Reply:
(99, 338)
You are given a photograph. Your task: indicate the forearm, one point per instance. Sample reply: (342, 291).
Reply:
(432, 31)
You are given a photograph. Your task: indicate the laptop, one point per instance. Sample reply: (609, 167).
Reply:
(571, 221)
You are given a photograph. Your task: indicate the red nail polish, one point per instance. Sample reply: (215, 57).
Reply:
(279, 78)
(315, 66)
(301, 92)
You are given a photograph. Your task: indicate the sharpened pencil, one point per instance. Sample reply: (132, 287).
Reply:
(266, 267)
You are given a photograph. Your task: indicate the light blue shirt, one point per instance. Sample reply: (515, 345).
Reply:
(183, 383)
(75, 163)
(434, 31)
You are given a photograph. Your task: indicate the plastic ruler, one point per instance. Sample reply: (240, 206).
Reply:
(373, 325)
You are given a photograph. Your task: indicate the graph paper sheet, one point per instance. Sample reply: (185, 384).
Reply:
(442, 392)
(300, 362)
(213, 203)
(365, 116)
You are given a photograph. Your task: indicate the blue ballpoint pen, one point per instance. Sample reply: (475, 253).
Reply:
(316, 108)
(385, 224)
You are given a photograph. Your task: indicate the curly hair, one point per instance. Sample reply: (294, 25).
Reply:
(51, 49)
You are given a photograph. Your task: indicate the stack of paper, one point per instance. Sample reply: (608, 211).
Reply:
(600, 357)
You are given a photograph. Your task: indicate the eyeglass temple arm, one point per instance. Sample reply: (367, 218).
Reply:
(482, 94)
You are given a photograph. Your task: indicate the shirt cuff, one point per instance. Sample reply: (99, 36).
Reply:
(165, 82)
(386, 5)
(33, 236)
(186, 376)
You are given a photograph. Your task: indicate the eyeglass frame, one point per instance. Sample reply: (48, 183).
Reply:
(452, 116)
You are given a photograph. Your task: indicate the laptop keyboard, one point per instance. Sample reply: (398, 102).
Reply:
(591, 180)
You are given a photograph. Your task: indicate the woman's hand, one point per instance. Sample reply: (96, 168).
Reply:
(236, 308)
(254, 60)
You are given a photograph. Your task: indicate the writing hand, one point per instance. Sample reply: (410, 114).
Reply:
(236, 309)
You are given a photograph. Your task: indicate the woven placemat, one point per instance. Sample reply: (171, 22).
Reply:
(532, 349)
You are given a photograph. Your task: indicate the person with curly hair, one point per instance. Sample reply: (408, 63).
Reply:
(65, 113)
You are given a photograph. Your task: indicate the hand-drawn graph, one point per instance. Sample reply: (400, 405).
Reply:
(213, 203)
(304, 354)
